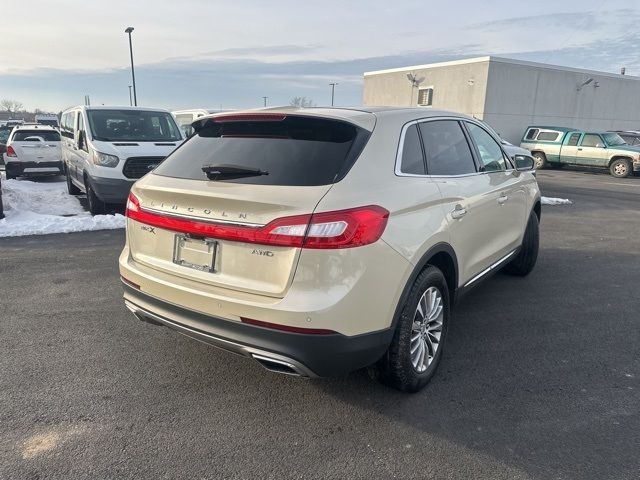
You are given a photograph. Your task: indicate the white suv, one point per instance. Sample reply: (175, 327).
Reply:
(318, 241)
(33, 150)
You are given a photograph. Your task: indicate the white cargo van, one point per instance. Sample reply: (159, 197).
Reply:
(106, 149)
(186, 117)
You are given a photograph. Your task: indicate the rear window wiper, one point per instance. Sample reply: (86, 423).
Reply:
(215, 172)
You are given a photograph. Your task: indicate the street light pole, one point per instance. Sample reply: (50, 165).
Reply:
(130, 98)
(265, 100)
(133, 73)
(333, 91)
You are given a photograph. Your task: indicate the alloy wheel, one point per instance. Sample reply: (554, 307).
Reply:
(427, 329)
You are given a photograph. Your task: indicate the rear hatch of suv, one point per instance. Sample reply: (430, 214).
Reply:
(36, 146)
(232, 206)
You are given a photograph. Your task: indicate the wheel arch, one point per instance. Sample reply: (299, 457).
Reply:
(620, 157)
(442, 256)
(537, 209)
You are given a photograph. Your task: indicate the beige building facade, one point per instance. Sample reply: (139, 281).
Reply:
(513, 94)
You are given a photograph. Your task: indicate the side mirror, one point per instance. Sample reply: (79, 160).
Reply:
(81, 139)
(523, 163)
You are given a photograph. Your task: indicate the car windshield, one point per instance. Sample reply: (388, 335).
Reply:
(613, 139)
(133, 126)
(4, 134)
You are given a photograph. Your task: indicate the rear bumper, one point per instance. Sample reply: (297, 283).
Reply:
(18, 168)
(111, 190)
(306, 355)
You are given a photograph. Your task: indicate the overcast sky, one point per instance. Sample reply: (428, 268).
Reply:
(212, 53)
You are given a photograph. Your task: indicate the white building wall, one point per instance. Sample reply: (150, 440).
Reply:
(457, 86)
(511, 95)
(519, 95)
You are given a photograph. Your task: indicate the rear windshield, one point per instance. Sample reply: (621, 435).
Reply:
(46, 135)
(133, 126)
(52, 122)
(296, 151)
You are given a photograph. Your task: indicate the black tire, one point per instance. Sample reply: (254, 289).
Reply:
(395, 368)
(539, 160)
(71, 188)
(96, 206)
(528, 254)
(620, 168)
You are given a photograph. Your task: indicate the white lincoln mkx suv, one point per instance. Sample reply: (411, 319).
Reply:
(319, 241)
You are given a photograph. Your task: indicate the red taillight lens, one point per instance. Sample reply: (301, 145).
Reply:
(249, 117)
(340, 229)
(287, 328)
(11, 152)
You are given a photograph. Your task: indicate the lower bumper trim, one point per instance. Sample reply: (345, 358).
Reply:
(266, 359)
(306, 355)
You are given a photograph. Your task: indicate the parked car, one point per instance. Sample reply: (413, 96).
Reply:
(50, 119)
(559, 146)
(319, 241)
(511, 149)
(186, 117)
(1, 205)
(4, 137)
(106, 149)
(630, 137)
(33, 150)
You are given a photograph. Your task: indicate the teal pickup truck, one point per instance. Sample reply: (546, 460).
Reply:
(560, 146)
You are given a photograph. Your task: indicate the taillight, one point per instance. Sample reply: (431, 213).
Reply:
(11, 152)
(354, 227)
(287, 328)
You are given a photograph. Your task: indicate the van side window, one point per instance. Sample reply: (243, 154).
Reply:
(591, 140)
(446, 148)
(548, 136)
(412, 156)
(573, 139)
(531, 134)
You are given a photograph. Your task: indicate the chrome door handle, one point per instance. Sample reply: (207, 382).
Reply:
(502, 199)
(458, 213)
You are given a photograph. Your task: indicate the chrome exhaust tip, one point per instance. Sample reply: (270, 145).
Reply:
(278, 366)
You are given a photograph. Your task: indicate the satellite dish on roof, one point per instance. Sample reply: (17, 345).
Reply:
(414, 80)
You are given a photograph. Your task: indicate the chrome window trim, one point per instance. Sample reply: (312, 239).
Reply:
(397, 167)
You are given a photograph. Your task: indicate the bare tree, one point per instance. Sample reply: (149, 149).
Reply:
(11, 106)
(302, 102)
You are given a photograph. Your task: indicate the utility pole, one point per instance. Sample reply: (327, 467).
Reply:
(265, 100)
(333, 92)
(130, 98)
(133, 73)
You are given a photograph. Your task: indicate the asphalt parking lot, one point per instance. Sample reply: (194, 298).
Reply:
(540, 377)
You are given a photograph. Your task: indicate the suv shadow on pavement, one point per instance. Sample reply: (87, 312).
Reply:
(536, 375)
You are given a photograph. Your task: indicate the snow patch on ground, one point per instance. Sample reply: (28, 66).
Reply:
(556, 201)
(44, 206)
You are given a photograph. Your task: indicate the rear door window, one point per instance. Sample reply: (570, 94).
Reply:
(412, 156)
(294, 150)
(446, 148)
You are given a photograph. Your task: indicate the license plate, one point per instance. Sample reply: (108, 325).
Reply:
(196, 253)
